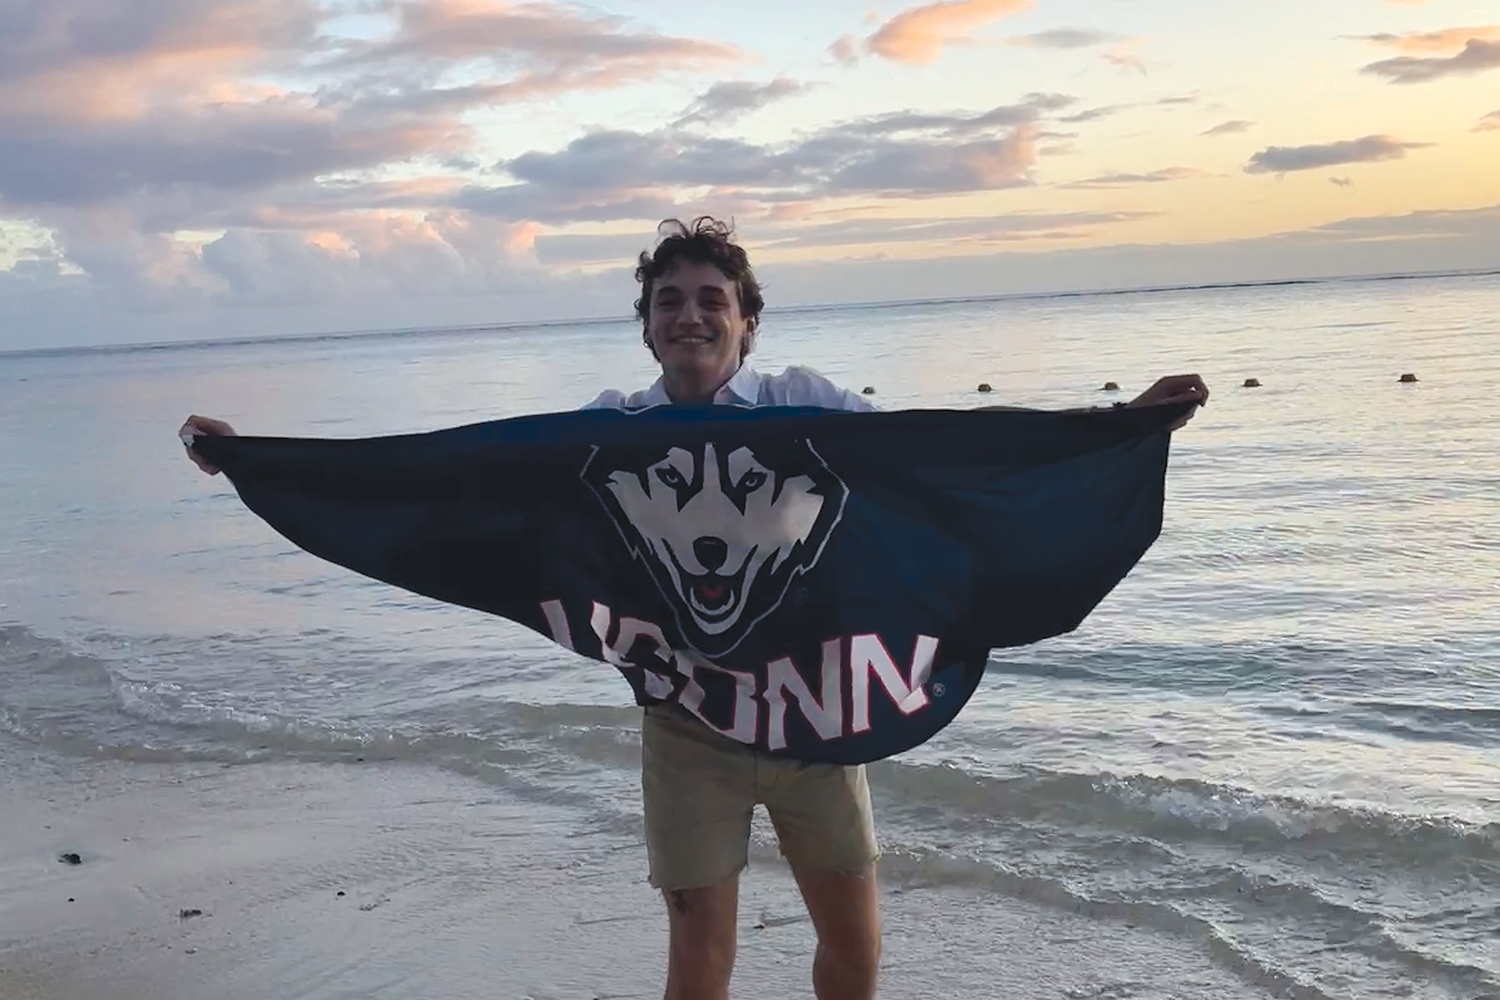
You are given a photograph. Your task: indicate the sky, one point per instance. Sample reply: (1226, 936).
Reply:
(192, 169)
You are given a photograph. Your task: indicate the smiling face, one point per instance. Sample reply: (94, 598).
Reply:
(696, 328)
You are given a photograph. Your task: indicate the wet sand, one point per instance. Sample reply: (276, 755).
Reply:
(317, 881)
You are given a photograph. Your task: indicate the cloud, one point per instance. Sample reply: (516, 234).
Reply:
(232, 147)
(42, 304)
(1440, 42)
(1436, 241)
(126, 127)
(1030, 109)
(1094, 114)
(1126, 179)
(896, 155)
(1064, 38)
(96, 104)
(1369, 149)
(1342, 182)
(1122, 54)
(918, 34)
(1489, 123)
(1010, 228)
(1232, 127)
(845, 50)
(1125, 56)
(730, 100)
(1477, 56)
(536, 48)
(1423, 225)
(622, 174)
(863, 231)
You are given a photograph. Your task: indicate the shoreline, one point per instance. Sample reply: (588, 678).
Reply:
(390, 880)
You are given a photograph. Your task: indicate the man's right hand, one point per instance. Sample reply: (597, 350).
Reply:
(195, 426)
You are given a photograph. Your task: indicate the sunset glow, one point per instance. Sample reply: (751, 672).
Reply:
(176, 168)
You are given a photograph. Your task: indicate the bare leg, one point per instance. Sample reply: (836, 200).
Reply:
(845, 911)
(700, 956)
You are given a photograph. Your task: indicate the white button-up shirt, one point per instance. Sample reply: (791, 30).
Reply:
(796, 386)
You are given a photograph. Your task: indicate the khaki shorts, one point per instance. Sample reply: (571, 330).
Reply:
(701, 789)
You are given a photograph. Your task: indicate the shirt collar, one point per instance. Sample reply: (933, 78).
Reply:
(742, 389)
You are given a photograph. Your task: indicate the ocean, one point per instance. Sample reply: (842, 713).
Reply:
(1278, 739)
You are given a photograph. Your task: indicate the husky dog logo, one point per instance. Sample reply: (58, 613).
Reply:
(724, 528)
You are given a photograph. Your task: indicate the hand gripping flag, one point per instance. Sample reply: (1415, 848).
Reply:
(820, 585)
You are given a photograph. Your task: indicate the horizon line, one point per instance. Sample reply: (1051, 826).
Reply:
(392, 332)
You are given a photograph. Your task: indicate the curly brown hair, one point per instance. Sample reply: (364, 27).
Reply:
(705, 240)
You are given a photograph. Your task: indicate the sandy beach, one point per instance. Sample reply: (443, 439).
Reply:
(387, 880)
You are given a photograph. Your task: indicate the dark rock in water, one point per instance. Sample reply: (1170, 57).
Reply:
(71, 899)
(341, 892)
(1111, 387)
(1408, 378)
(869, 390)
(985, 387)
(70, 859)
(188, 914)
(1252, 383)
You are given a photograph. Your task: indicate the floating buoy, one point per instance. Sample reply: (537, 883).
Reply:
(1408, 377)
(1111, 387)
(1252, 383)
(985, 387)
(869, 390)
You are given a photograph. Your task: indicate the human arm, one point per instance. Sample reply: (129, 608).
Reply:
(1167, 390)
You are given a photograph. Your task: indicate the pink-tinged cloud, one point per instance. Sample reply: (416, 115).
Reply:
(163, 102)
(918, 34)
(1115, 180)
(845, 50)
(1477, 56)
(99, 61)
(1434, 42)
(1232, 127)
(1489, 123)
(539, 36)
(1126, 56)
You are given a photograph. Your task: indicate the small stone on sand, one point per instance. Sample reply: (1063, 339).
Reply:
(1111, 387)
(1408, 378)
(869, 390)
(1252, 383)
(985, 387)
(186, 914)
(70, 859)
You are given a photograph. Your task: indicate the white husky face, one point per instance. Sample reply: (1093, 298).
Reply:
(722, 530)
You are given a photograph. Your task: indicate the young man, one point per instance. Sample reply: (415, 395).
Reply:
(700, 311)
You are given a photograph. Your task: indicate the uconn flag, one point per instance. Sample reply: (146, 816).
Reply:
(821, 585)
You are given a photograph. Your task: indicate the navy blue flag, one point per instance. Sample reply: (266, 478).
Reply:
(821, 585)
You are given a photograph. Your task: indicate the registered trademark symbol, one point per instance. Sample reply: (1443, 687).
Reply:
(938, 690)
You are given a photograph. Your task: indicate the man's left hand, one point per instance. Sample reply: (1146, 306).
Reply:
(1175, 389)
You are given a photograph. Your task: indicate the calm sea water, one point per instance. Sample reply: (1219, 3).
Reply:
(1280, 737)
